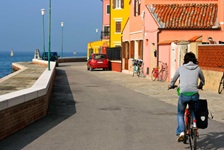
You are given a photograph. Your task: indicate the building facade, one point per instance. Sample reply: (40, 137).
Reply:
(164, 30)
(120, 12)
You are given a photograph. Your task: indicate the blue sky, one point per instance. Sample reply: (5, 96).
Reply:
(21, 26)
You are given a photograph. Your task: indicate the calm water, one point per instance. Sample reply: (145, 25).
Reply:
(6, 60)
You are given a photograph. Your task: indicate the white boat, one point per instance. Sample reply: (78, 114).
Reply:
(12, 53)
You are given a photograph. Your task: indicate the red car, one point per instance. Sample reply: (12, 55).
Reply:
(98, 60)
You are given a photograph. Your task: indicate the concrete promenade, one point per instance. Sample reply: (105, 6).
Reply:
(62, 126)
(21, 79)
(159, 90)
(155, 89)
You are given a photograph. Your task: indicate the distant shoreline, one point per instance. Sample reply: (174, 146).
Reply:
(26, 56)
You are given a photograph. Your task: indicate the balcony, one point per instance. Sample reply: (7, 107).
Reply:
(105, 35)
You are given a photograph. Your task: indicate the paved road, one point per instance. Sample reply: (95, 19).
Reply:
(102, 110)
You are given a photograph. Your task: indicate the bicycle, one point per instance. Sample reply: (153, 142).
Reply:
(221, 83)
(191, 130)
(160, 75)
(138, 67)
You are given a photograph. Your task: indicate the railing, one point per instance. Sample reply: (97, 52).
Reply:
(114, 53)
(105, 35)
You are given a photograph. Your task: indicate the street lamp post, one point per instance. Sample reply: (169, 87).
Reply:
(42, 13)
(49, 34)
(97, 34)
(62, 25)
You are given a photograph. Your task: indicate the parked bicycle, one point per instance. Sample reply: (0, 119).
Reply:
(160, 73)
(221, 83)
(138, 67)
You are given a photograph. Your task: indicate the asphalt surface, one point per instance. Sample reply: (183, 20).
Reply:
(105, 110)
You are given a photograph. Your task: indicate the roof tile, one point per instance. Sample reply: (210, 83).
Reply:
(185, 16)
(195, 38)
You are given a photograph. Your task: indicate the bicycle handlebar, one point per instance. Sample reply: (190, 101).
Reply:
(200, 87)
(172, 87)
(163, 63)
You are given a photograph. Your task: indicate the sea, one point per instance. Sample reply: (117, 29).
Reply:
(24, 56)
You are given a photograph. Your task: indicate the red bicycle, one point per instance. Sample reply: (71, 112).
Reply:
(191, 130)
(160, 73)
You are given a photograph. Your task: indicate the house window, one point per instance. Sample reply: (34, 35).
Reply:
(118, 26)
(106, 30)
(118, 4)
(132, 52)
(137, 7)
(140, 49)
(108, 9)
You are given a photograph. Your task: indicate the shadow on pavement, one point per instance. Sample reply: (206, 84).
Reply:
(212, 140)
(61, 107)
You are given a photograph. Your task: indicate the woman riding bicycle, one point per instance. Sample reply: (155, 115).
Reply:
(188, 75)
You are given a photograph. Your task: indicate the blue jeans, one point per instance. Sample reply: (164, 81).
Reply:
(182, 103)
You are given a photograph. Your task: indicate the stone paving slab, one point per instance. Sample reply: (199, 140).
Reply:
(22, 80)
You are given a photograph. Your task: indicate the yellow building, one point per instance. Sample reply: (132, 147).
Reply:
(94, 47)
(120, 12)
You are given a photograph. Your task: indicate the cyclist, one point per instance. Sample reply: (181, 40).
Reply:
(188, 75)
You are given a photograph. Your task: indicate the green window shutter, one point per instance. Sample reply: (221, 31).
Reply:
(108, 9)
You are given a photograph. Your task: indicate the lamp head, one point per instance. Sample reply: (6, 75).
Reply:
(210, 39)
(62, 24)
(42, 11)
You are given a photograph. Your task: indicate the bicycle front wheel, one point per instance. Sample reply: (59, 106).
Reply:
(163, 75)
(142, 73)
(153, 75)
(221, 85)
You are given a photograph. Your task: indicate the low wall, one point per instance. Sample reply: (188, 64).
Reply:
(210, 57)
(21, 108)
(115, 66)
(212, 79)
(64, 59)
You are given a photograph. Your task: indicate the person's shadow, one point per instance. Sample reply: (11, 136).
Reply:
(211, 140)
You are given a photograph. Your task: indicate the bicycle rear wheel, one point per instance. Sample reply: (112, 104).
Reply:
(163, 75)
(221, 85)
(194, 139)
(187, 131)
(138, 73)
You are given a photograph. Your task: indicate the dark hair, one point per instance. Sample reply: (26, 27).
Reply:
(190, 57)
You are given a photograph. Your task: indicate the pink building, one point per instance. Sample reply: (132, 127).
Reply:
(105, 34)
(169, 29)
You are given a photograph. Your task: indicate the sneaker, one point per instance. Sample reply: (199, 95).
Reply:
(181, 137)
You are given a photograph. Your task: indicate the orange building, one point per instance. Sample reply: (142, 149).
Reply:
(169, 29)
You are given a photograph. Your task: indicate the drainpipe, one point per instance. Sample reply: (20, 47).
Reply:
(221, 14)
(110, 23)
(157, 53)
